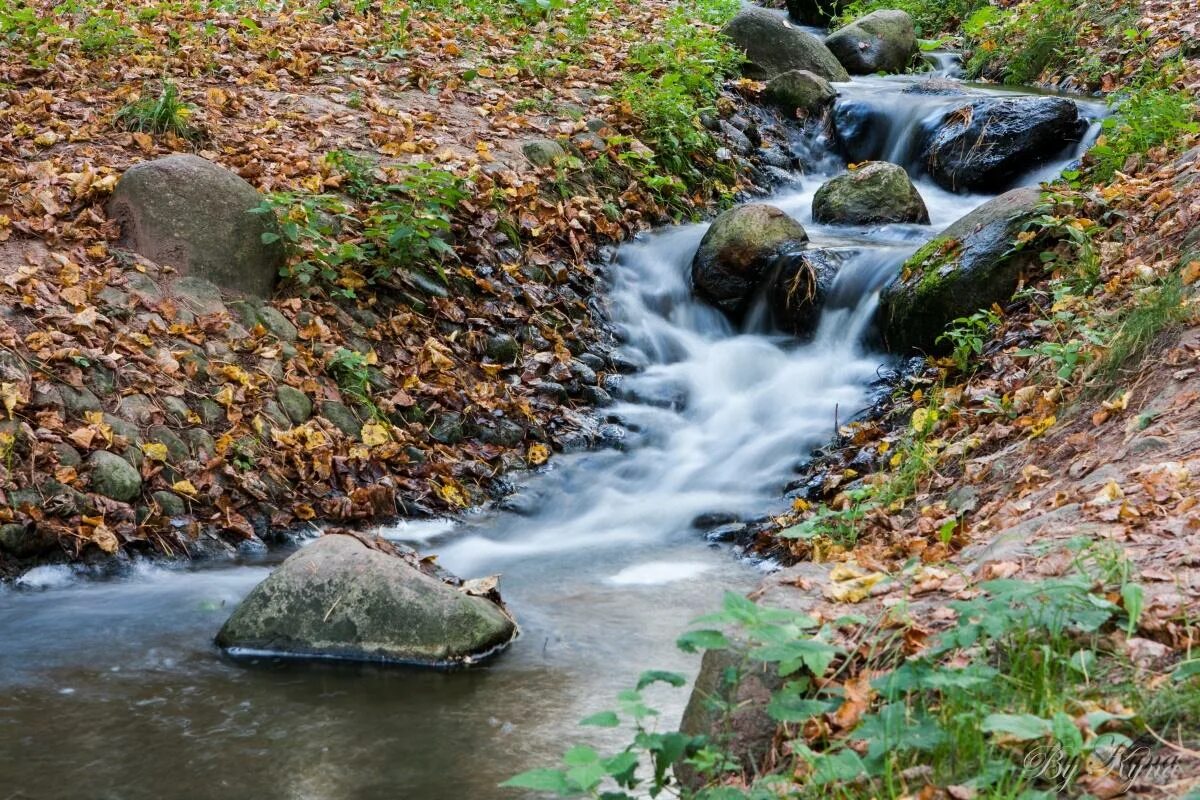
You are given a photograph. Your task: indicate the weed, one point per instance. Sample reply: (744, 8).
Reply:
(164, 113)
(1158, 309)
(1143, 119)
(968, 335)
(349, 369)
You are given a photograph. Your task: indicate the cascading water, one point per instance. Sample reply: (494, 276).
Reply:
(115, 690)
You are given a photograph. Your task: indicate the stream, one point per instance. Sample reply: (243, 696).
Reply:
(113, 689)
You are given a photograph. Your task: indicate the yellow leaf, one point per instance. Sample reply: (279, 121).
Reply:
(537, 454)
(11, 397)
(155, 451)
(185, 487)
(304, 511)
(105, 539)
(225, 396)
(375, 434)
(453, 494)
(1041, 426)
(1109, 494)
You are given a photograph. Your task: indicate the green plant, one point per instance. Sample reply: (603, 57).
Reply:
(349, 369)
(358, 179)
(1157, 309)
(164, 113)
(968, 335)
(931, 17)
(310, 228)
(410, 224)
(1143, 119)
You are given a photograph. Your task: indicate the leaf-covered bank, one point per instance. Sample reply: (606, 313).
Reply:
(442, 175)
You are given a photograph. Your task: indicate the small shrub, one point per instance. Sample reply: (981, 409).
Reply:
(1142, 120)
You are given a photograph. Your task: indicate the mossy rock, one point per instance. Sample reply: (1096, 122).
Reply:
(296, 404)
(337, 598)
(800, 90)
(342, 417)
(882, 41)
(773, 45)
(739, 250)
(971, 266)
(874, 194)
(543, 152)
(113, 476)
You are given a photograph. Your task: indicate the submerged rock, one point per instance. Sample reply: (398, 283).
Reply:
(339, 598)
(875, 193)
(985, 145)
(798, 290)
(800, 90)
(739, 250)
(882, 41)
(970, 266)
(191, 214)
(860, 130)
(773, 45)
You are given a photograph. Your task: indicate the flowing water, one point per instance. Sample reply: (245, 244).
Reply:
(114, 689)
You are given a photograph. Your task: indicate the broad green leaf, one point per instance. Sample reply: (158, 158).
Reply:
(603, 719)
(1133, 598)
(659, 676)
(692, 641)
(1020, 726)
(1188, 669)
(541, 780)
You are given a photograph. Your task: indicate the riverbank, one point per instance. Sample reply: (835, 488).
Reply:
(443, 181)
(994, 587)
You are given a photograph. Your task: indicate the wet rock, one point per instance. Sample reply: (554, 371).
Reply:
(882, 41)
(738, 250)
(25, 540)
(503, 348)
(726, 533)
(815, 12)
(799, 288)
(447, 428)
(337, 598)
(594, 395)
(583, 373)
(113, 476)
(736, 140)
(627, 360)
(773, 45)
(970, 266)
(860, 130)
(196, 216)
(986, 144)
(800, 90)
(543, 152)
(503, 432)
(934, 86)
(295, 403)
(593, 360)
(874, 194)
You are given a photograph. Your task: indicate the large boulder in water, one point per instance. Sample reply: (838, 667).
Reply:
(800, 90)
(985, 145)
(860, 130)
(815, 12)
(882, 41)
(970, 266)
(799, 288)
(738, 251)
(773, 45)
(339, 598)
(873, 194)
(191, 214)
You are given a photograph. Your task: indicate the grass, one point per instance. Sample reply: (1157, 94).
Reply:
(161, 114)
(1158, 309)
